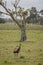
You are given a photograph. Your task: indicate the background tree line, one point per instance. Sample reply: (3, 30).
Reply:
(35, 17)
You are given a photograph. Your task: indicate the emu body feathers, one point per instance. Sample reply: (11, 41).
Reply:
(17, 49)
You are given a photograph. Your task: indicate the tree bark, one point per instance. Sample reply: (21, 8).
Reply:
(23, 34)
(23, 30)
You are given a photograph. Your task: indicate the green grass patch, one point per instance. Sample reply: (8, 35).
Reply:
(31, 52)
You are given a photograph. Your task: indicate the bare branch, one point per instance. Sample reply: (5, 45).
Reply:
(11, 15)
(17, 2)
(4, 13)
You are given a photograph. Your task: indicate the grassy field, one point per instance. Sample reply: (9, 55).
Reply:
(13, 26)
(31, 51)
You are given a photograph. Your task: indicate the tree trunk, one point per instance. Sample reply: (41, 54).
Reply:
(23, 30)
(23, 34)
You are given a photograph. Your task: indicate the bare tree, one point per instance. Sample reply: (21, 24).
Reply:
(20, 13)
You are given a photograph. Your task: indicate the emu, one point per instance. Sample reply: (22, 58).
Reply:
(17, 49)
